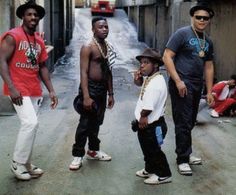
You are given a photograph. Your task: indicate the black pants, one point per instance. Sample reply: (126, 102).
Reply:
(90, 122)
(154, 157)
(88, 127)
(184, 111)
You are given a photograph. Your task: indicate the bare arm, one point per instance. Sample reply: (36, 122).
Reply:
(6, 51)
(209, 75)
(84, 71)
(169, 63)
(45, 76)
(110, 91)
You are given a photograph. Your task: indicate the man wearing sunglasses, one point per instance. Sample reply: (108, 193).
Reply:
(188, 55)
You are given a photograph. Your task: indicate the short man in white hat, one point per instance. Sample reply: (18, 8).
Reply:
(22, 66)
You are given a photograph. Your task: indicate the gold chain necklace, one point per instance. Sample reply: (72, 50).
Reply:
(146, 82)
(201, 53)
(100, 49)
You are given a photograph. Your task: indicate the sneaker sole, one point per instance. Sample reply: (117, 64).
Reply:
(75, 168)
(100, 159)
(214, 116)
(142, 176)
(195, 163)
(159, 182)
(35, 176)
(187, 173)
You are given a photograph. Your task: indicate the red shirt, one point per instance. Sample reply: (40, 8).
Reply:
(221, 91)
(24, 75)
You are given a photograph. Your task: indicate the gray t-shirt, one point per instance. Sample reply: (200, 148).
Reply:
(185, 44)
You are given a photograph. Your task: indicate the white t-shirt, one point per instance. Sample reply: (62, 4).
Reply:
(154, 99)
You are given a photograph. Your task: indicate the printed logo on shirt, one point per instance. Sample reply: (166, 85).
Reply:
(194, 42)
(29, 52)
(27, 65)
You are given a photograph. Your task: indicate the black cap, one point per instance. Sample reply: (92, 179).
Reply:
(30, 4)
(201, 6)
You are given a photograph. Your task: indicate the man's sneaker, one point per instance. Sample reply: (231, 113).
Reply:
(193, 160)
(20, 171)
(154, 179)
(184, 169)
(142, 173)
(214, 114)
(98, 155)
(76, 163)
(34, 171)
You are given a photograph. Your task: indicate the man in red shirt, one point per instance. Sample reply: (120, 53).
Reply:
(22, 67)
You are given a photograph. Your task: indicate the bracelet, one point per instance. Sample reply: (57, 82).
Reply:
(110, 94)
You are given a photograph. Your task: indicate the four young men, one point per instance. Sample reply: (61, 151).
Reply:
(188, 54)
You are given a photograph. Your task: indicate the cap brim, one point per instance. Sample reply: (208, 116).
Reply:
(159, 61)
(21, 9)
(199, 7)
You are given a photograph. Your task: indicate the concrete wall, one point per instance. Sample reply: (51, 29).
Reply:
(223, 34)
(151, 21)
(149, 25)
(163, 29)
(133, 12)
(179, 15)
(5, 15)
(124, 3)
(62, 24)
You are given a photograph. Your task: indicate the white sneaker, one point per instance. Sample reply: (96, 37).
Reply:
(154, 179)
(98, 155)
(184, 169)
(20, 171)
(34, 171)
(214, 114)
(142, 173)
(193, 160)
(76, 163)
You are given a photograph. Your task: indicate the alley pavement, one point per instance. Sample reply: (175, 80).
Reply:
(213, 141)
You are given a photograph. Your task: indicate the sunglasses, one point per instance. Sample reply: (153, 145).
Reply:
(205, 18)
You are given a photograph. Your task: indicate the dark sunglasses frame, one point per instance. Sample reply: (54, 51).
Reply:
(205, 18)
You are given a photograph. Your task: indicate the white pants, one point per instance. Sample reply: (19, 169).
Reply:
(27, 114)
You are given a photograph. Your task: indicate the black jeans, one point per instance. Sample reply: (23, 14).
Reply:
(90, 122)
(88, 127)
(184, 111)
(154, 157)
